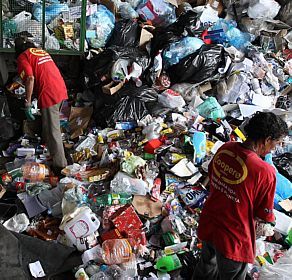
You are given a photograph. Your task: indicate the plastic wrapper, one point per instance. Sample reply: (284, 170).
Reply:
(125, 34)
(178, 50)
(200, 66)
(194, 196)
(99, 27)
(52, 43)
(159, 12)
(267, 9)
(132, 163)
(123, 183)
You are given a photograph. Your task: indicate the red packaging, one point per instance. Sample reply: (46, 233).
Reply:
(126, 219)
(155, 192)
(107, 213)
(112, 234)
(138, 236)
(152, 145)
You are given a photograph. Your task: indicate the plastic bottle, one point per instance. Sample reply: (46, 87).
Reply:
(108, 273)
(116, 251)
(111, 199)
(199, 143)
(34, 172)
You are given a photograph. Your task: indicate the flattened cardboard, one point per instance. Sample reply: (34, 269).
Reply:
(78, 120)
(147, 207)
(112, 88)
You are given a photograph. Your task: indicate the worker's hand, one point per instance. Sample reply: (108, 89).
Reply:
(264, 229)
(28, 112)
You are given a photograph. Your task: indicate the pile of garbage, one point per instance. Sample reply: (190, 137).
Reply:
(165, 85)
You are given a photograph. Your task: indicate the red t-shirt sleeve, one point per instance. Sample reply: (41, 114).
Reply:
(24, 68)
(264, 203)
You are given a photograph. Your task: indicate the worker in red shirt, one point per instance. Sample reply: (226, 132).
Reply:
(41, 75)
(242, 188)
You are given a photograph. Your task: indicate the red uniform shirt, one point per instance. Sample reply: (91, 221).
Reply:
(242, 187)
(48, 82)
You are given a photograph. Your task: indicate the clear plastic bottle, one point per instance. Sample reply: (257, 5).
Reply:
(116, 251)
(109, 273)
(34, 172)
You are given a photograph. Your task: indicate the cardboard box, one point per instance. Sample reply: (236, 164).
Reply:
(112, 88)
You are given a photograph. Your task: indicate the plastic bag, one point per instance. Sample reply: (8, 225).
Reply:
(9, 28)
(125, 34)
(164, 36)
(159, 12)
(134, 104)
(267, 9)
(51, 12)
(32, 27)
(283, 185)
(178, 50)
(171, 99)
(127, 11)
(200, 66)
(99, 27)
(211, 109)
(52, 43)
(281, 270)
(96, 67)
(231, 34)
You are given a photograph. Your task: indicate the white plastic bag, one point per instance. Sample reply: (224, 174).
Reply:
(171, 99)
(281, 270)
(267, 9)
(52, 43)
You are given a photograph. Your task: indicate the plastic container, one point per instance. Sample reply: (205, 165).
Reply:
(199, 143)
(168, 263)
(34, 172)
(84, 224)
(116, 251)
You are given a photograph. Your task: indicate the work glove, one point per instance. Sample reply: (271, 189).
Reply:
(28, 112)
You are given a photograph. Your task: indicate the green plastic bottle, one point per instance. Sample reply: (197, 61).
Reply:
(168, 263)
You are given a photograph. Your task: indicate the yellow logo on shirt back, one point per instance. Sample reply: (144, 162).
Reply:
(232, 175)
(38, 52)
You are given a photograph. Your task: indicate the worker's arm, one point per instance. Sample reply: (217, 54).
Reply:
(29, 83)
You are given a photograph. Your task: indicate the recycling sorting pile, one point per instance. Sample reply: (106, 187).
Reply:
(165, 85)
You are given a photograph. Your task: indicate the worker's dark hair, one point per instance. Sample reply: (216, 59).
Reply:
(266, 124)
(21, 45)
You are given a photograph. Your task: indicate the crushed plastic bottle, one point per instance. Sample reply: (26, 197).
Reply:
(34, 172)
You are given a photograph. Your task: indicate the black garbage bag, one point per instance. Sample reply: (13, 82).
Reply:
(134, 104)
(18, 250)
(125, 34)
(185, 25)
(96, 67)
(6, 124)
(133, 54)
(200, 66)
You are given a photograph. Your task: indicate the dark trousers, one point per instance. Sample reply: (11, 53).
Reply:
(214, 266)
